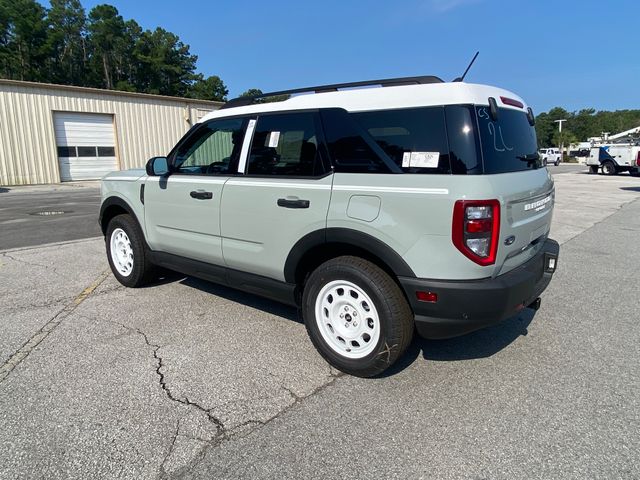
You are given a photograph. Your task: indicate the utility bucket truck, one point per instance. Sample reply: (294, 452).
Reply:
(616, 153)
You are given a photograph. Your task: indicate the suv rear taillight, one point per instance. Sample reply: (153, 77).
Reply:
(476, 228)
(638, 159)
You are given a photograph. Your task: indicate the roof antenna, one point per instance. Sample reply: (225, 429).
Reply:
(461, 79)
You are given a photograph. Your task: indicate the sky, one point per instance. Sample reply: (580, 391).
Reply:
(574, 54)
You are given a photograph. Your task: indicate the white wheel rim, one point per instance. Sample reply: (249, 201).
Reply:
(121, 252)
(347, 319)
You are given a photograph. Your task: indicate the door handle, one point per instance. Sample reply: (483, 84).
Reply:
(201, 195)
(293, 203)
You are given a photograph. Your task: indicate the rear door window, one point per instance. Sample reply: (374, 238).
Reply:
(287, 144)
(509, 143)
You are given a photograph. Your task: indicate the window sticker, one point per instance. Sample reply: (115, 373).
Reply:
(420, 159)
(274, 138)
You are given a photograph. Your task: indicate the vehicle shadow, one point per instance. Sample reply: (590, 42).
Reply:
(631, 189)
(4, 190)
(480, 344)
(248, 299)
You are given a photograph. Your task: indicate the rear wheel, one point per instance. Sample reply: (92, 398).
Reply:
(608, 168)
(593, 169)
(356, 316)
(126, 252)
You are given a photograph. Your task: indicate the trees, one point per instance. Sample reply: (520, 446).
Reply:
(210, 88)
(23, 39)
(106, 40)
(252, 92)
(165, 65)
(65, 45)
(582, 124)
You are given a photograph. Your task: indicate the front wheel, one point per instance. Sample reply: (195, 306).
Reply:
(356, 316)
(557, 162)
(126, 252)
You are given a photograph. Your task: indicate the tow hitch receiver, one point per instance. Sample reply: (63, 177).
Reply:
(535, 305)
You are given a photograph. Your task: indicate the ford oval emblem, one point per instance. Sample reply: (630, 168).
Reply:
(509, 240)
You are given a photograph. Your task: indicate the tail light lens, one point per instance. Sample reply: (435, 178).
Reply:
(476, 228)
(638, 159)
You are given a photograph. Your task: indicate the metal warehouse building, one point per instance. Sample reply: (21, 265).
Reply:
(53, 133)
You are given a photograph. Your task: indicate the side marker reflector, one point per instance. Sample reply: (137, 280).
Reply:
(429, 297)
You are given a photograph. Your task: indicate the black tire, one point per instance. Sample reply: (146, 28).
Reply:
(609, 168)
(593, 169)
(143, 270)
(557, 162)
(396, 323)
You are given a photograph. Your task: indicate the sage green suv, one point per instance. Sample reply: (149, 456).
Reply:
(420, 205)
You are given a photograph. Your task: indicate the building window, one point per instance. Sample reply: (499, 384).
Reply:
(67, 152)
(87, 152)
(106, 151)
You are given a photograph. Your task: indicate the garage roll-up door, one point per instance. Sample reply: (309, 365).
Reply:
(86, 145)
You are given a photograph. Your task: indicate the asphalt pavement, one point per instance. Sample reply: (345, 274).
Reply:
(568, 168)
(185, 379)
(35, 215)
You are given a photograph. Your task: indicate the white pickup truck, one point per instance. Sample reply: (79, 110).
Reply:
(550, 155)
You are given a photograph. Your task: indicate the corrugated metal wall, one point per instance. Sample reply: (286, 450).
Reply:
(145, 126)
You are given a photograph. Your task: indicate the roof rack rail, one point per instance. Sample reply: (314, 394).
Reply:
(385, 82)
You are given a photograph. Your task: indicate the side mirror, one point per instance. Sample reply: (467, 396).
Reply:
(157, 166)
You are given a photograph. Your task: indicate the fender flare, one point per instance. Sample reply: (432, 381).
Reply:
(115, 201)
(348, 236)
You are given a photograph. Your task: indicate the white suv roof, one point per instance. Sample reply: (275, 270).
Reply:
(363, 99)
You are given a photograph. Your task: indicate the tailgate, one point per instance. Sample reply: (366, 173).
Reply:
(527, 200)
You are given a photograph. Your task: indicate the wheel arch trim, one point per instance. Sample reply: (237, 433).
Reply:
(350, 237)
(118, 202)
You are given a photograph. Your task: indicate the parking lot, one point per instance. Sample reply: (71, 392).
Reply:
(186, 379)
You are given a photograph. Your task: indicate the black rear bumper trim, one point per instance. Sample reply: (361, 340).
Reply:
(467, 305)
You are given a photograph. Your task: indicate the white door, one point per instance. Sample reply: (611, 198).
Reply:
(86, 145)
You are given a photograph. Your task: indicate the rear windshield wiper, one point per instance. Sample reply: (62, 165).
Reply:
(533, 158)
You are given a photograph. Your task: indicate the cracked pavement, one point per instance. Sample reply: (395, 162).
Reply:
(186, 379)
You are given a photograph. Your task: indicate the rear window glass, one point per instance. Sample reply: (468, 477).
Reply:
(414, 138)
(508, 144)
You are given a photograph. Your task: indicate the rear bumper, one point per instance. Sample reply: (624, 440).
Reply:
(467, 305)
